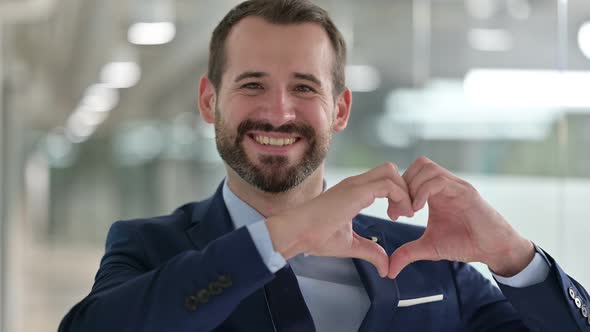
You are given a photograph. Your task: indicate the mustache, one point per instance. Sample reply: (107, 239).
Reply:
(300, 129)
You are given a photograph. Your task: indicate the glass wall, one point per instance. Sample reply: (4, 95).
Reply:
(99, 122)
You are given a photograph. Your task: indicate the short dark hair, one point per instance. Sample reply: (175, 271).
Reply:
(277, 12)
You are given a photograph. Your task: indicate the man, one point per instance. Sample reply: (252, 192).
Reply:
(275, 92)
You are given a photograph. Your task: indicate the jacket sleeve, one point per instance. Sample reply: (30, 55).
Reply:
(551, 305)
(545, 306)
(195, 290)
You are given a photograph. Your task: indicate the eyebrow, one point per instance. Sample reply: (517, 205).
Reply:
(308, 77)
(250, 74)
(260, 74)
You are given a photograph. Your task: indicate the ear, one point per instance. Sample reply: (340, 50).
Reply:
(207, 98)
(343, 106)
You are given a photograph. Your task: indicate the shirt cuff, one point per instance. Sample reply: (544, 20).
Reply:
(534, 273)
(273, 260)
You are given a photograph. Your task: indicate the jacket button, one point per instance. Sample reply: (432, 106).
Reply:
(572, 293)
(584, 311)
(215, 288)
(203, 296)
(224, 281)
(578, 302)
(190, 303)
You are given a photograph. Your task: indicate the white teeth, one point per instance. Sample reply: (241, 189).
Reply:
(274, 141)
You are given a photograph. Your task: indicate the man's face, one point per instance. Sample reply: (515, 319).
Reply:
(275, 112)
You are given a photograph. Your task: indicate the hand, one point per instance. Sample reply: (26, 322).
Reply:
(462, 226)
(323, 225)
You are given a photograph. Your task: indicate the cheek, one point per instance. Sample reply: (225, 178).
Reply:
(235, 110)
(321, 119)
(241, 104)
(315, 111)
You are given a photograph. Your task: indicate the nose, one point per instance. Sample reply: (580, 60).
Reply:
(280, 108)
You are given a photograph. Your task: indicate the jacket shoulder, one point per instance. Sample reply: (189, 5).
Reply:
(152, 229)
(181, 215)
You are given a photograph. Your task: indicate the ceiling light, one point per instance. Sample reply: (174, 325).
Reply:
(584, 39)
(100, 98)
(154, 33)
(77, 130)
(88, 116)
(120, 75)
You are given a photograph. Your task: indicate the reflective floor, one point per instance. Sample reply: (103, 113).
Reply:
(45, 281)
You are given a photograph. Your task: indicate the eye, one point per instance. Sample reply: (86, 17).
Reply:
(252, 86)
(304, 88)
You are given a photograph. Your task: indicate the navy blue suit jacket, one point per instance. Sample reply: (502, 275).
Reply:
(154, 269)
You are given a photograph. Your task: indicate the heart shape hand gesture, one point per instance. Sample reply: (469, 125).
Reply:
(462, 226)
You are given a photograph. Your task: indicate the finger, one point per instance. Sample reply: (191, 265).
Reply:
(415, 168)
(400, 202)
(427, 166)
(408, 253)
(428, 189)
(398, 209)
(426, 173)
(371, 252)
(386, 170)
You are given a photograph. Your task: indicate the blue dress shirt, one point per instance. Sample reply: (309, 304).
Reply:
(320, 278)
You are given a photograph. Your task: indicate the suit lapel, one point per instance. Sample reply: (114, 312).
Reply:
(210, 220)
(383, 292)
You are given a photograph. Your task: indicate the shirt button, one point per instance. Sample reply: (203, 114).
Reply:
(584, 311)
(572, 293)
(190, 303)
(578, 302)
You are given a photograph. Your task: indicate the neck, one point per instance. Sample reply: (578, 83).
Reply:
(269, 204)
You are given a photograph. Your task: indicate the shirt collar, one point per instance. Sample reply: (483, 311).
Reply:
(241, 213)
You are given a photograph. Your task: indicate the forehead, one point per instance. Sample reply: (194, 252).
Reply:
(254, 44)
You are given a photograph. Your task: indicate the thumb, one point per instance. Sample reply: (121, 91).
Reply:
(371, 252)
(407, 254)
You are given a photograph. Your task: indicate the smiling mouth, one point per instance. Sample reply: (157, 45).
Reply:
(274, 141)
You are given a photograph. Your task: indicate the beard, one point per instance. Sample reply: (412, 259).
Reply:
(276, 174)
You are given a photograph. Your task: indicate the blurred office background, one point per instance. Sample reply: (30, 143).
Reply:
(99, 121)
